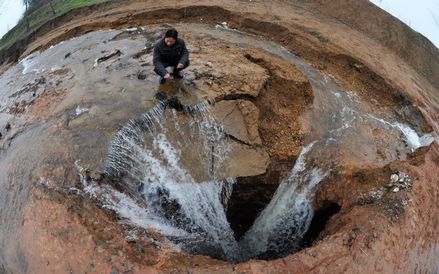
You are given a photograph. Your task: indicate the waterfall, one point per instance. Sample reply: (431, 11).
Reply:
(170, 163)
(158, 159)
(279, 228)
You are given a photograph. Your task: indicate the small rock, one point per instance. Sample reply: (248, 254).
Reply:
(74, 191)
(394, 178)
(8, 126)
(396, 189)
(96, 176)
(389, 185)
(148, 48)
(209, 64)
(141, 75)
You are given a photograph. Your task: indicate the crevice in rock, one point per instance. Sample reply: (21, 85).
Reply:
(252, 194)
(279, 127)
(249, 197)
(319, 221)
(233, 138)
(238, 97)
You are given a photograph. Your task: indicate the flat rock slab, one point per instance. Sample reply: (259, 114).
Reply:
(246, 161)
(240, 120)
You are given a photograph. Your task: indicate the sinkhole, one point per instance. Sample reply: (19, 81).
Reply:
(319, 221)
(176, 168)
(250, 197)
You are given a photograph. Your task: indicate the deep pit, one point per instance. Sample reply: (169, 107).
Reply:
(249, 197)
(252, 194)
(318, 223)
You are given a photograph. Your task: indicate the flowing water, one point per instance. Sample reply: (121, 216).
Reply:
(172, 163)
(278, 230)
(158, 169)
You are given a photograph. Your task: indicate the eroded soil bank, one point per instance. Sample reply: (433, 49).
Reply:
(352, 98)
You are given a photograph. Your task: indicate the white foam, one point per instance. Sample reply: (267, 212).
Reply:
(282, 224)
(30, 63)
(79, 110)
(413, 139)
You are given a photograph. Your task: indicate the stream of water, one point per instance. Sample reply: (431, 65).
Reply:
(190, 212)
(170, 163)
(172, 166)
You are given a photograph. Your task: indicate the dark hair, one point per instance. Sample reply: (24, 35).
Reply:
(171, 33)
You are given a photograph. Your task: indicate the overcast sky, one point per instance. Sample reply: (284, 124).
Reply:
(10, 13)
(418, 14)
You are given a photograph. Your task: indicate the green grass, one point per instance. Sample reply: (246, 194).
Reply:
(41, 16)
(67, 5)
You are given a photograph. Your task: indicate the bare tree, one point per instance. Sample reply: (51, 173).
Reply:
(52, 7)
(26, 3)
(436, 19)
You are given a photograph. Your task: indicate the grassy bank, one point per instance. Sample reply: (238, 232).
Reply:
(40, 16)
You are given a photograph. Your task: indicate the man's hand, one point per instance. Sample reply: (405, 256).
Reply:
(180, 66)
(168, 76)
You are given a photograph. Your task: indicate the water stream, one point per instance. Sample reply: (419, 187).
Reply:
(171, 164)
(279, 228)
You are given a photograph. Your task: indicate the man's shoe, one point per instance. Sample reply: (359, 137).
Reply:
(161, 96)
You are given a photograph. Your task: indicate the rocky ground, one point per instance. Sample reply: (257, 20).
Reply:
(65, 104)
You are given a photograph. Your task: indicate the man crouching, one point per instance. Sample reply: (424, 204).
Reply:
(170, 51)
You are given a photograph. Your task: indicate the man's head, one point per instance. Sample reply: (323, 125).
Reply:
(170, 37)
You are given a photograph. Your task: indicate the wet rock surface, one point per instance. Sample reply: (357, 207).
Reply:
(61, 109)
(240, 119)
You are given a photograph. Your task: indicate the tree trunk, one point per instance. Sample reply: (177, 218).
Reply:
(52, 7)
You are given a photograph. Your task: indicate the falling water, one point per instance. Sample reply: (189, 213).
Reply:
(164, 194)
(172, 166)
(410, 136)
(156, 156)
(277, 231)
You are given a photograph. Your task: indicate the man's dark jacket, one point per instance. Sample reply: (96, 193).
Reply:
(165, 56)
